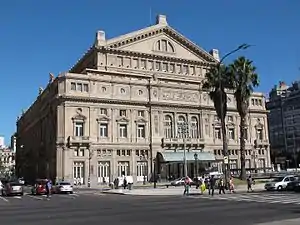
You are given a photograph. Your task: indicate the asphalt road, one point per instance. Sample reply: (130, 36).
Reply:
(142, 210)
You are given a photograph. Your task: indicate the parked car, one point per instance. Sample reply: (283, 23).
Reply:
(279, 183)
(293, 184)
(39, 187)
(63, 187)
(12, 188)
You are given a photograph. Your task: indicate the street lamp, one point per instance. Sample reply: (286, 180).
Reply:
(196, 162)
(183, 131)
(225, 150)
(144, 161)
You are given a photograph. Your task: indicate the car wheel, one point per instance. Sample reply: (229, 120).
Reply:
(71, 192)
(279, 188)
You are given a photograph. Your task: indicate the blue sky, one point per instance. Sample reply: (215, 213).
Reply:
(38, 37)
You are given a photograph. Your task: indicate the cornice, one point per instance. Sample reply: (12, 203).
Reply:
(153, 56)
(143, 103)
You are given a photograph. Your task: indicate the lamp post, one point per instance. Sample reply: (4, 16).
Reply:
(144, 161)
(225, 149)
(196, 162)
(183, 132)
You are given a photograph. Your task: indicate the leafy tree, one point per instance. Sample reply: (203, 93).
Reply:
(216, 83)
(243, 78)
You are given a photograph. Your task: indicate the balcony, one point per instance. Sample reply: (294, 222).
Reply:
(80, 140)
(261, 143)
(196, 142)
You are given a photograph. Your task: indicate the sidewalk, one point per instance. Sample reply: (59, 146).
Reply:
(174, 191)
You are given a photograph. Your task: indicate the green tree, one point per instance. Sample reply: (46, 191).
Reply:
(216, 83)
(243, 78)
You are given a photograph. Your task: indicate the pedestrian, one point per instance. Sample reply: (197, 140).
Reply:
(250, 181)
(211, 186)
(125, 183)
(221, 186)
(231, 185)
(202, 184)
(187, 184)
(48, 188)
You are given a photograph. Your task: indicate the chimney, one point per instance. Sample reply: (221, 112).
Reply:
(100, 38)
(215, 54)
(161, 19)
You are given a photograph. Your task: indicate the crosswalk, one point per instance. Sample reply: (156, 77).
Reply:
(270, 198)
(29, 197)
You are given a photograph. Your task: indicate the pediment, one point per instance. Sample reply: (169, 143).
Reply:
(79, 116)
(123, 120)
(103, 118)
(141, 120)
(145, 41)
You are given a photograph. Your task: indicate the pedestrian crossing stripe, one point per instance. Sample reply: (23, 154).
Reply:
(261, 198)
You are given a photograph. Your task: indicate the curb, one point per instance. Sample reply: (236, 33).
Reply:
(113, 193)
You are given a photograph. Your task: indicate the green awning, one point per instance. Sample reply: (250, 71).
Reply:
(178, 156)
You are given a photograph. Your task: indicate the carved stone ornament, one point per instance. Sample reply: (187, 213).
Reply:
(122, 120)
(103, 118)
(229, 100)
(51, 77)
(204, 97)
(141, 120)
(155, 93)
(179, 96)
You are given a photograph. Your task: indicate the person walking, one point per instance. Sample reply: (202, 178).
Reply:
(211, 186)
(221, 186)
(48, 188)
(250, 181)
(187, 184)
(231, 185)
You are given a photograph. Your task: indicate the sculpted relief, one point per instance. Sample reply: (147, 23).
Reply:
(180, 96)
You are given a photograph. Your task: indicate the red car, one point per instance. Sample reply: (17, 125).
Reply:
(39, 187)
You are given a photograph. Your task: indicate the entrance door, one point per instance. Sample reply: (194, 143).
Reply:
(103, 172)
(141, 171)
(78, 173)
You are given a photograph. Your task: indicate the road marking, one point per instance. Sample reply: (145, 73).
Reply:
(34, 197)
(67, 196)
(99, 194)
(18, 197)
(4, 199)
(74, 195)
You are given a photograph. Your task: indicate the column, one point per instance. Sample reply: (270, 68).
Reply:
(133, 166)
(68, 164)
(59, 163)
(113, 165)
(94, 164)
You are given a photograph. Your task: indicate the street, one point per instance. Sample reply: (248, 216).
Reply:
(94, 207)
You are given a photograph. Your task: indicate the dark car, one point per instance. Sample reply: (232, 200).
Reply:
(12, 188)
(293, 184)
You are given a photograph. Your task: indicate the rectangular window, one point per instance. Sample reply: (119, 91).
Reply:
(81, 152)
(85, 87)
(231, 133)
(193, 70)
(143, 64)
(103, 130)
(165, 67)
(172, 68)
(179, 68)
(218, 133)
(79, 129)
(157, 66)
(164, 45)
(141, 131)
(135, 63)
(122, 112)
(79, 87)
(141, 113)
(123, 130)
(118, 152)
(76, 152)
(185, 69)
(120, 61)
(103, 111)
(151, 65)
(73, 86)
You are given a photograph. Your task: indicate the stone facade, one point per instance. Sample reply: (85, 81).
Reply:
(122, 103)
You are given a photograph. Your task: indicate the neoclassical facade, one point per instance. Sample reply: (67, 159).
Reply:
(120, 110)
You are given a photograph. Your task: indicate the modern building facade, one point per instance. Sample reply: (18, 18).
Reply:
(284, 122)
(120, 110)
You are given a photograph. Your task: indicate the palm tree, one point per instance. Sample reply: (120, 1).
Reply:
(216, 82)
(243, 78)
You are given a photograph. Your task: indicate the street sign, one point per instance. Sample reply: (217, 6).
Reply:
(226, 159)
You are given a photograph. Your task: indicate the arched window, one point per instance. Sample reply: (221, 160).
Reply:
(194, 128)
(180, 126)
(168, 127)
(164, 45)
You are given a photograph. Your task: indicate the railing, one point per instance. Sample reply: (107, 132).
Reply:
(181, 140)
